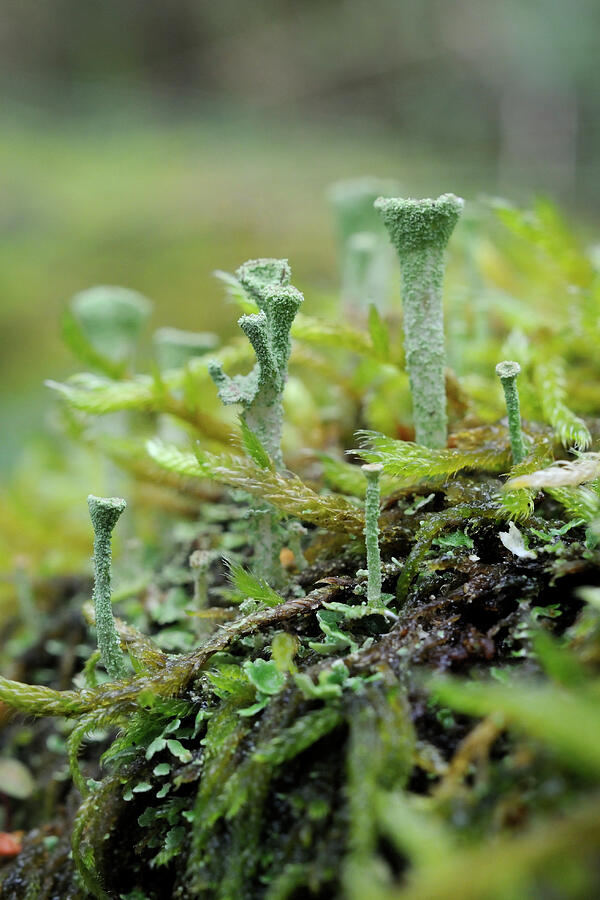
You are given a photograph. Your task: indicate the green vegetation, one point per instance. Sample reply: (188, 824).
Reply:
(372, 474)
(420, 230)
(507, 372)
(105, 513)
(331, 670)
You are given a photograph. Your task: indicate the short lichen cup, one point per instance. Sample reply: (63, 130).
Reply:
(508, 371)
(105, 513)
(420, 230)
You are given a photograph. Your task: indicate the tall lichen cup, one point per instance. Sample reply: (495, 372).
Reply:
(105, 513)
(260, 392)
(420, 230)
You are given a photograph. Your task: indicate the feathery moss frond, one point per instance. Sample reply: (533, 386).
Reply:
(92, 394)
(37, 700)
(552, 392)
(100, 396)
(132, 456)
(82, 347)
(343, 476)
(579, 503)
(337, 335)
(545, 230)
(346, 478)
(254, 447)
(410, 462)
(287, 492)
(171, 458)
(518, 504)
(251, 586)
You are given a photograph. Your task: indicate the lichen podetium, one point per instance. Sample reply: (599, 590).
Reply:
(507, 372)
(372, 474)
(105, 513)
(420, 230)
(260, 392)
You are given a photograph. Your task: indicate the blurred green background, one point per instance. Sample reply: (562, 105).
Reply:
(147, 143)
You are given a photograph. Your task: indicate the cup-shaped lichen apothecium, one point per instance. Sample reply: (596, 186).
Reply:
(420, 230)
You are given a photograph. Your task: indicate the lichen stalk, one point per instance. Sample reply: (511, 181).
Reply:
(372, 474)
(104, 513)
(420, 230)
(507, 372)
(260, 392)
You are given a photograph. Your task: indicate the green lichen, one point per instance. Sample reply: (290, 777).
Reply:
(268, 331)
(105, 513)
(372, 474)
(261, 391)
(507, 372)
(420, 230)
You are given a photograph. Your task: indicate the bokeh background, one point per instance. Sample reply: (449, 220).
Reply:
(146, 143)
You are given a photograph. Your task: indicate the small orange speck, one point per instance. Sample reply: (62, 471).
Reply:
(10, 844)
(287, 558)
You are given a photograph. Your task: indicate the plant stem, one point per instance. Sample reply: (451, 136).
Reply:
(420, 230)
(372, 473)
(104, 513)
(507, 371)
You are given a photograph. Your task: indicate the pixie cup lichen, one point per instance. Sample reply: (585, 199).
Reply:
(105, 513)
(507, 371)
(372, 473)
(420, 230)
(260, 392)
